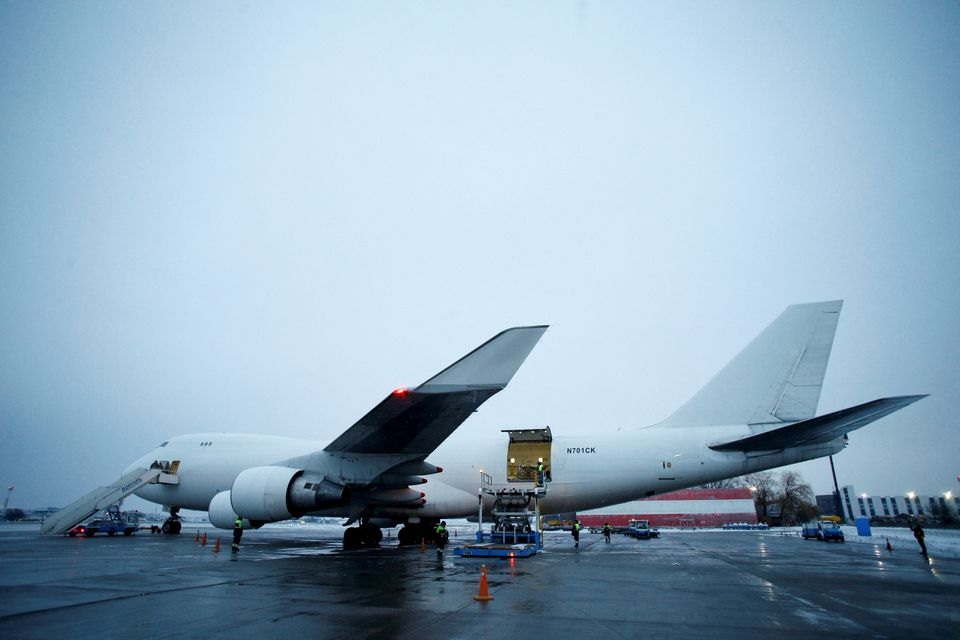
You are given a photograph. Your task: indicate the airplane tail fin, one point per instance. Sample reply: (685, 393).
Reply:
(777, 378)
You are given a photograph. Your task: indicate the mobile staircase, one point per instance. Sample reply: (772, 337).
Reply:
(101, 498)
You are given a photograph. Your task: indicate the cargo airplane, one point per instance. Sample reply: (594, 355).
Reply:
(757, 413)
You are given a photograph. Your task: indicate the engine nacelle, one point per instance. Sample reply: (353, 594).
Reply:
(221, 512)
(269, 494)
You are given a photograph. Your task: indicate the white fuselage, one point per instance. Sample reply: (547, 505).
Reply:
(586, 472)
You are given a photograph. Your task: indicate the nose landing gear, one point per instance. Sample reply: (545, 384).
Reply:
(172, 525)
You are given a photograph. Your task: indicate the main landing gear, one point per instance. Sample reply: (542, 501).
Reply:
(414, 532)
(365, 535)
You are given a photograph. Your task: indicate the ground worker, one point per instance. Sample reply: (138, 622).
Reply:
(606, 531)
(237, 534)
(442, 537)
(918, 534)
(540, 472)
(576, 533)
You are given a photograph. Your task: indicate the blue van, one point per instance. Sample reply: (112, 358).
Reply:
(822, 530)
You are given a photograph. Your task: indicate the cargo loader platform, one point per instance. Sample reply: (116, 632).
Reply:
(494, 550)
(511, 535)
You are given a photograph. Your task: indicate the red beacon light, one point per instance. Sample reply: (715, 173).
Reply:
(400, 391)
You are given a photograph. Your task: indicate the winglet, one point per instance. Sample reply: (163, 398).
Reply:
(492, 364)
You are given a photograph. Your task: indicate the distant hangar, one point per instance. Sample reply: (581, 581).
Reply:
(684, 508)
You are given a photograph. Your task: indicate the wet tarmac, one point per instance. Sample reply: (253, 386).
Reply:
(297, 582)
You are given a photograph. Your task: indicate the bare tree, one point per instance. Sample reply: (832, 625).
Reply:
(797, 502)
(725, 483)
(788, 496)
(15, 514)
(764, 486)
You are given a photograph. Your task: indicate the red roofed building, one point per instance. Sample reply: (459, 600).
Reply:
(684, 508)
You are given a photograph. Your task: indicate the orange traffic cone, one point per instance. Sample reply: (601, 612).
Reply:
(204, 543)
(216, 545)
(196, 538)
(484, 594)
(889, 546)
(423, 545)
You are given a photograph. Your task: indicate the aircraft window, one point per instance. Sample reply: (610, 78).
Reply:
(163, 444)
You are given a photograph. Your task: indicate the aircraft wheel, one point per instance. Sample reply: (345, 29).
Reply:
(371, 535)
(171, 526)
(407, 535)
(352, 538)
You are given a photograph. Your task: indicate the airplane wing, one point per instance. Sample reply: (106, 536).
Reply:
(372, 464)
(820, 429)
(414, 422)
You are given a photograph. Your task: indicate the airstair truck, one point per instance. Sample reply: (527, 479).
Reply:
(113, 522)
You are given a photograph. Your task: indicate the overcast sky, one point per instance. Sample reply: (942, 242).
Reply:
(262, 217)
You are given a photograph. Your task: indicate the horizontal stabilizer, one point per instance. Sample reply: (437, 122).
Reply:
(820, 429)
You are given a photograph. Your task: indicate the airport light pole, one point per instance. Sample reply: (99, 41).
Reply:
(837, 504)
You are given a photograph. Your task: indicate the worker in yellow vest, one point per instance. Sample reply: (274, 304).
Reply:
(237, 534)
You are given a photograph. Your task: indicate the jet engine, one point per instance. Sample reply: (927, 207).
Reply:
(269, 494)
(221, 512)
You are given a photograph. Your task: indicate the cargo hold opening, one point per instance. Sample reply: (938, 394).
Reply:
(527, 447)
